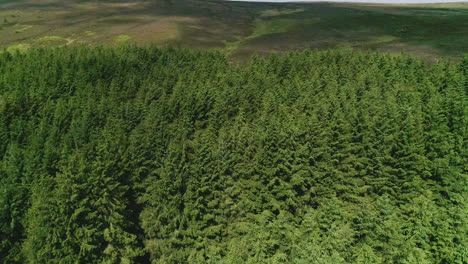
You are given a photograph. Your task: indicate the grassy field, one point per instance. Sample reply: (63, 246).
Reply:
(239, 29)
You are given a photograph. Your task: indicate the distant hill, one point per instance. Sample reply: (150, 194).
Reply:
(238, 29)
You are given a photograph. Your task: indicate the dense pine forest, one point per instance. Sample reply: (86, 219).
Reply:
(149, 155)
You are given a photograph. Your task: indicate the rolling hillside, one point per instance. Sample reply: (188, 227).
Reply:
(238, 29)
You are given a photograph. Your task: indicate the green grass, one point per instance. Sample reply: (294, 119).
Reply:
(18, 48)
(50, 39)
(122, 38)
(23, 29)
(266, 27)
(277, 12)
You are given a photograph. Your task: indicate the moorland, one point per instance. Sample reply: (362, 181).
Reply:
(239, 29)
